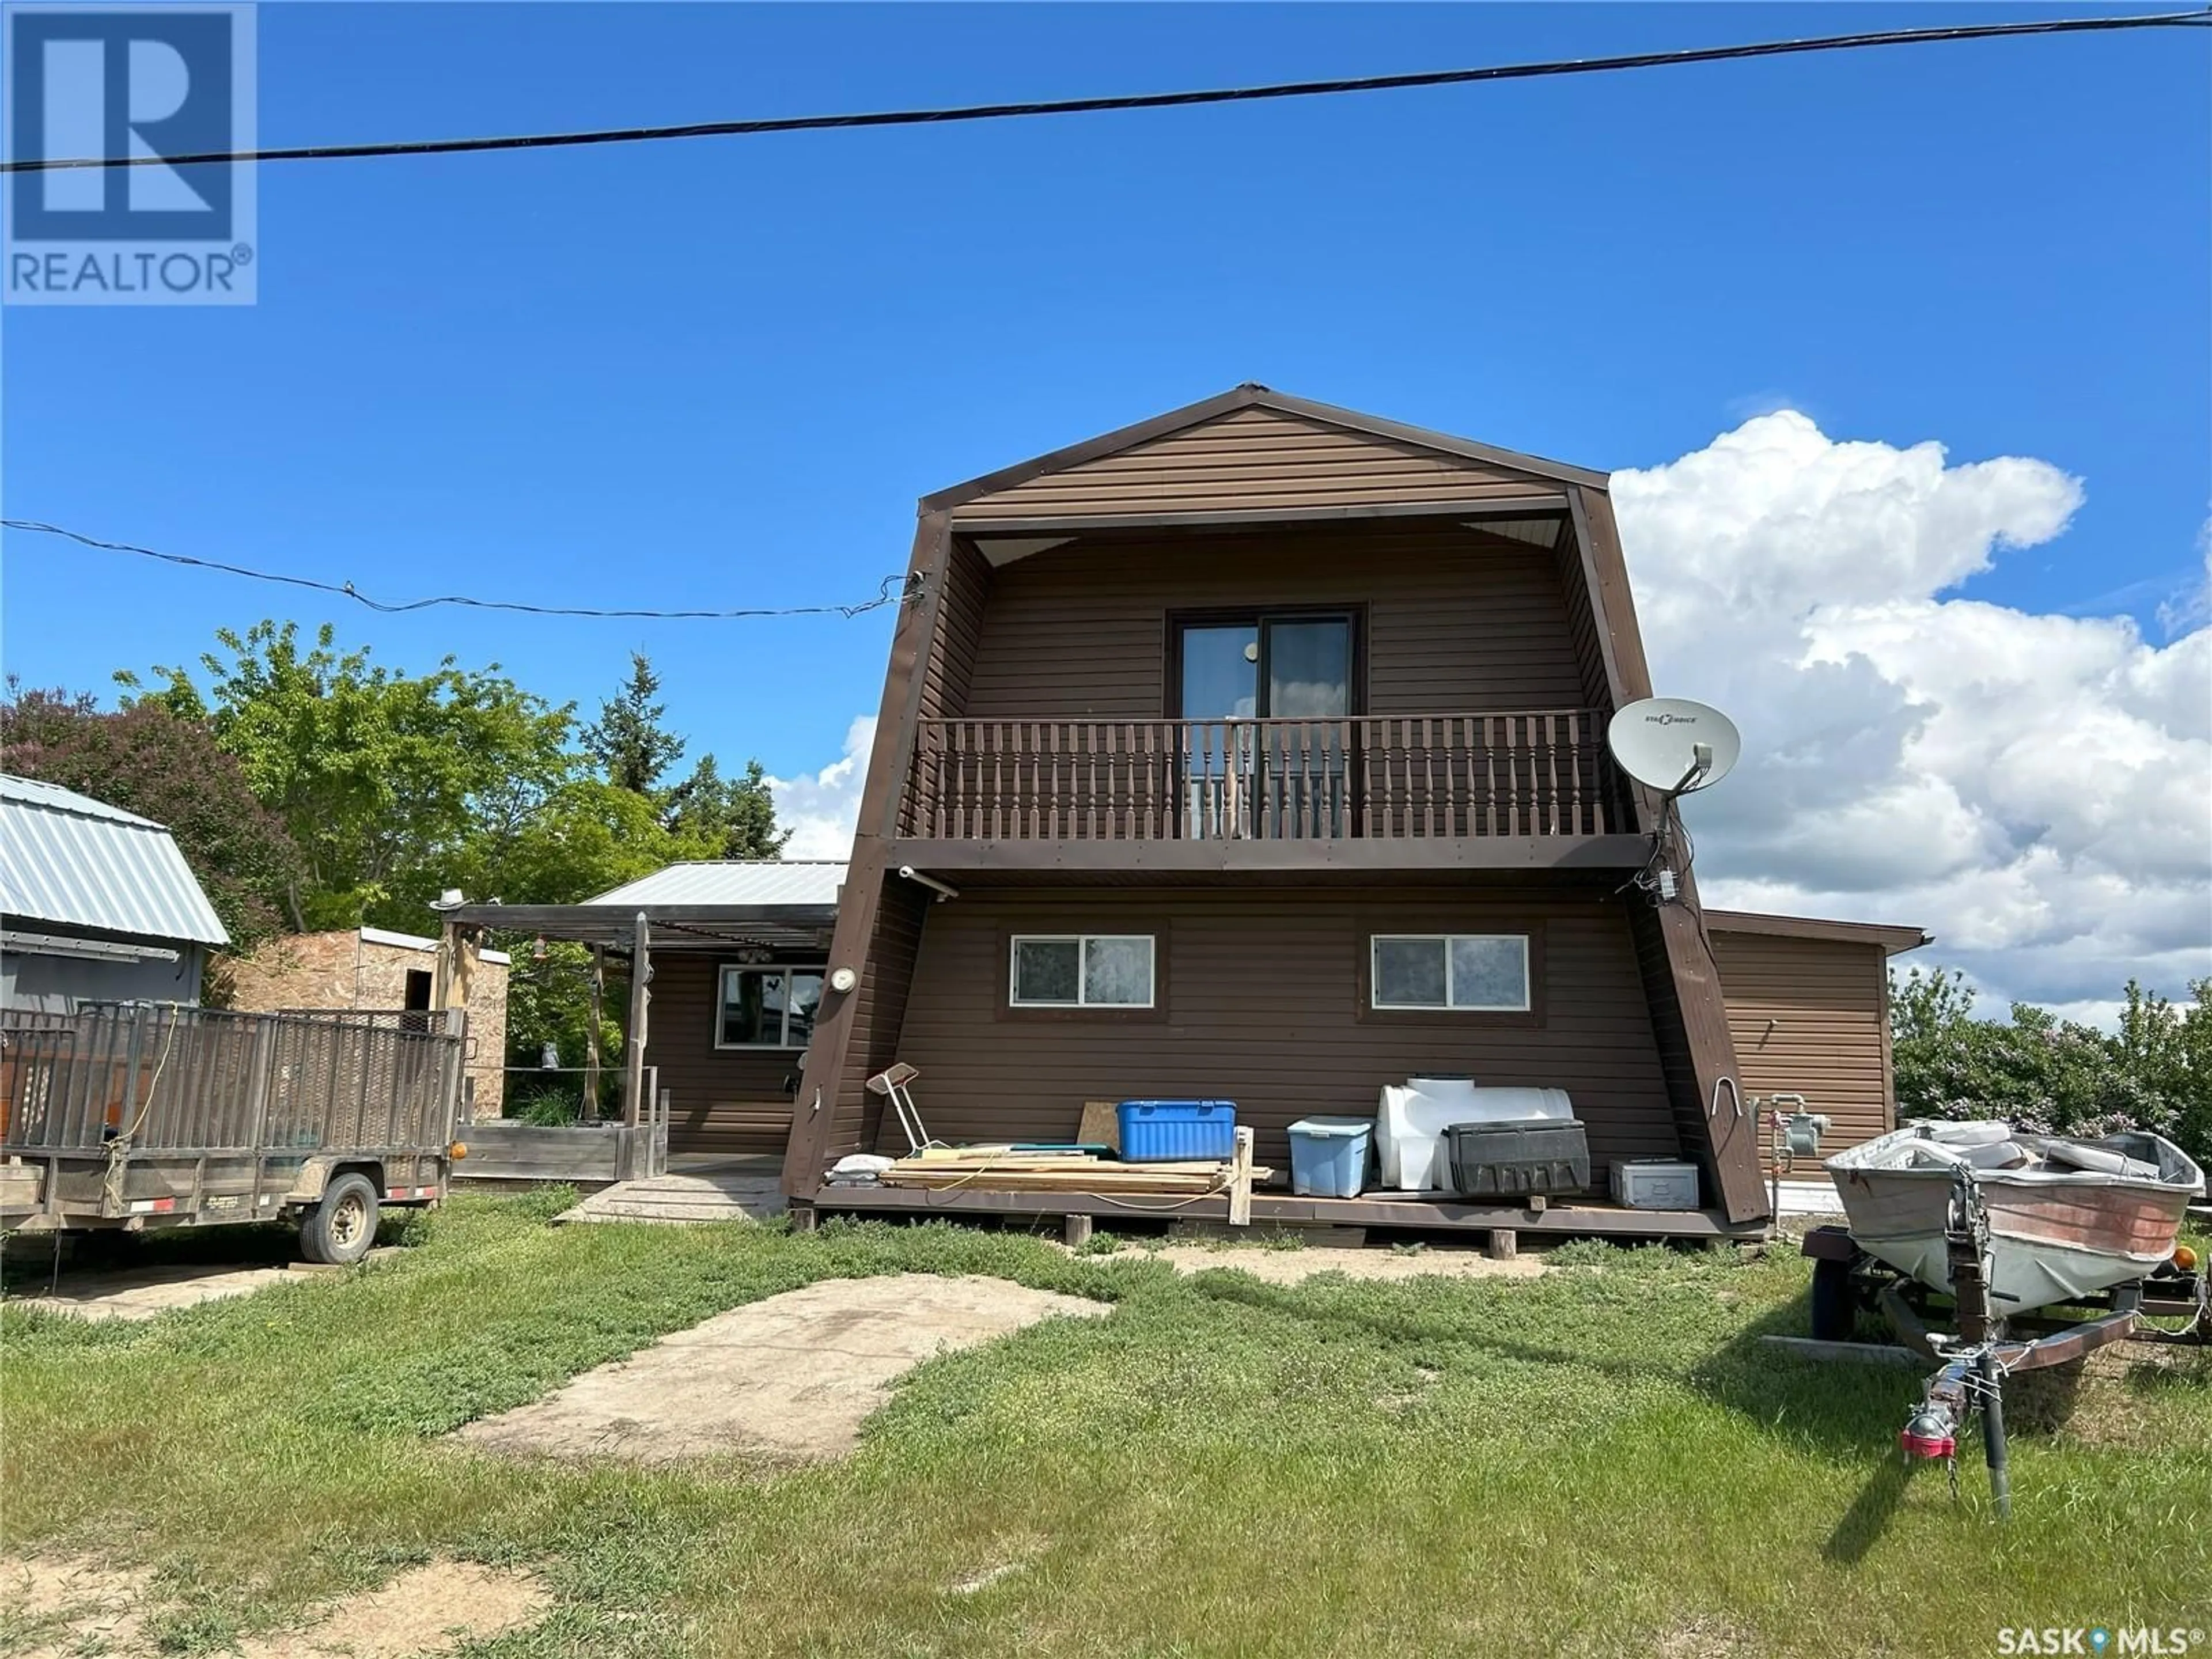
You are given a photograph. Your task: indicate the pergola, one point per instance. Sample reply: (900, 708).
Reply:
(633, 931)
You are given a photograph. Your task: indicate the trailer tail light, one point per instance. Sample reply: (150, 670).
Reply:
(1929, 1434)
(2185, 1258)
(458, 1150)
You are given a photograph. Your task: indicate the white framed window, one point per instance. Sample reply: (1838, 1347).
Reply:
(1464, 973)
(766, 1007)
(1080, 971)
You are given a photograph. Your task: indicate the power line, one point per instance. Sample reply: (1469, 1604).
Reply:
(910, 117)
(891, 593)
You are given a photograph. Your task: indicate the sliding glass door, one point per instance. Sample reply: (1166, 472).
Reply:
(1265, 703)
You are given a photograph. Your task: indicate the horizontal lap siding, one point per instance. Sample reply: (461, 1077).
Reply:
(959, 625)
(1262, 993)
(1825, 1001)
(1253, 458)
(886, 980)
(721, 1100)
(1457, 622)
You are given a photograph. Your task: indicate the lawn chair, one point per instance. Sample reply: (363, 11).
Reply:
(895, 1086)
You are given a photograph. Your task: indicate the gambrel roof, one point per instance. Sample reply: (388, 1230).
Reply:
(1255, 453)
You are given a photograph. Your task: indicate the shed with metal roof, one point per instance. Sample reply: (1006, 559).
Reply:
(99, 904)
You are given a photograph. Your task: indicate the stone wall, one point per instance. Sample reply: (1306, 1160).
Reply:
(343, 969)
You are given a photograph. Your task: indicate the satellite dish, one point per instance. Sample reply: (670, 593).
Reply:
(1672, 744)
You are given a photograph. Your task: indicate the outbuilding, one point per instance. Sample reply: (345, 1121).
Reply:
(99, 904)
(377, 968)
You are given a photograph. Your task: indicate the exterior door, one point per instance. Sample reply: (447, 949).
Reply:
(1266, 704)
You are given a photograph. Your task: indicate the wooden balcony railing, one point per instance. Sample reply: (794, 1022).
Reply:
(1420, 776)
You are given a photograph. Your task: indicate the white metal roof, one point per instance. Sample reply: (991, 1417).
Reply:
(68, 858)
(735, 881)
(417, 942)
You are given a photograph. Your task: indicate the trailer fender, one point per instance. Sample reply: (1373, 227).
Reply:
(316, 1173)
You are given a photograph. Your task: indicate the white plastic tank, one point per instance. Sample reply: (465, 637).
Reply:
(1410, 1124)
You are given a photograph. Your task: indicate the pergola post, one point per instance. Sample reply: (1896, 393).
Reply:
(641, 973)
(591, 1102)
(454, 966)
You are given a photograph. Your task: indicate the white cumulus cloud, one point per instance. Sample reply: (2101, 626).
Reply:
(2036, 790)
(820, 808)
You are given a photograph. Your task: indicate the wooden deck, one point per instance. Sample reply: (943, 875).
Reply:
(1583, 1218)
(697, 1191)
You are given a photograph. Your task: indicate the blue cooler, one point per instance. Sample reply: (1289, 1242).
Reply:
(1172, 1131)
(1328, 1156)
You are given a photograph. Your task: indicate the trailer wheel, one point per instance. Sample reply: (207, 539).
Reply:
(1835, 1308)
(339, 1231)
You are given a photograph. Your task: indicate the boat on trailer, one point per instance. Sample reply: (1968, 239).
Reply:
(2005, 1223)
(2064, 1219)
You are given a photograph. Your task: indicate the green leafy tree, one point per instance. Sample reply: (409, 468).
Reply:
(2053, 1076)
(628, 743)
(383, 778)
(147, 760)
(396, 786)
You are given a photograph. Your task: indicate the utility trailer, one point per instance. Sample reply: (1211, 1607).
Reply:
(129, 1116)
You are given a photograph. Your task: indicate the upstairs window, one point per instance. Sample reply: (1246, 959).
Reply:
(1081, 971)
(768, 1007)
(1466, 973)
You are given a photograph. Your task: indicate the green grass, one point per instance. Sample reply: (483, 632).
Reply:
(1600, 1460)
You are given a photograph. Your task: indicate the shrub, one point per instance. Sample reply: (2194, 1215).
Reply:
(2053, 1076)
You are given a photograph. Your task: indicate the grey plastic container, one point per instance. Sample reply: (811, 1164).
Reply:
(1517, 1159)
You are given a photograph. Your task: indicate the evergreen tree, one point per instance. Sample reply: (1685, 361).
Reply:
(735, 815)
(628, 742)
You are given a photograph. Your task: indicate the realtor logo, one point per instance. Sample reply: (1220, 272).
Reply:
(140, 86)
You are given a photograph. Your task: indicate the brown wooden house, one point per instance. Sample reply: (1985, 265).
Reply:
(1214, 753)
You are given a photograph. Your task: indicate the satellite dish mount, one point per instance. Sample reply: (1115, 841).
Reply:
(1676, 747)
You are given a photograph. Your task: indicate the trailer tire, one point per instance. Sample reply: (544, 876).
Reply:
(1835, 1306)
(338, 1231)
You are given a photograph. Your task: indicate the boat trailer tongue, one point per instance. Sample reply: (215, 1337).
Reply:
(1975, 1362)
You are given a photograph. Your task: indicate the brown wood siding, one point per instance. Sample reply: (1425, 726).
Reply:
(1677, 1064)
(952, 661)
(1807, 1016)
(1253, 459)
(1583, 630)
(721, 1100)
(881, 996)
(1457, 622)
(1262, 994)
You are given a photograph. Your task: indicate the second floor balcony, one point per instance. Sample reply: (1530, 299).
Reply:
(1533, 781)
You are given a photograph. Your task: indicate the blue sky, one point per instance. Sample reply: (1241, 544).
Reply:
(718, 372)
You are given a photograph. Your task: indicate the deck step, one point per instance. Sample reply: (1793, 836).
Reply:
(683, 1201)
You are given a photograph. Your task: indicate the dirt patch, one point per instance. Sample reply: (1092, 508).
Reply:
(49, 1608)
(143, 1292)
(427, 1610)
(792, 1376)
(1295, 1267)
(63, 1609)
(1702, 1638)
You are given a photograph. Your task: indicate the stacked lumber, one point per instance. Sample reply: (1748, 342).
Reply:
(1004, 1170)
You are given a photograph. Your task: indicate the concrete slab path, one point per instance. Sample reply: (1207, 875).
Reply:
(792, 1376)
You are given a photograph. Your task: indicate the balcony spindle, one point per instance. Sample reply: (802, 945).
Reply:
(1535, 772)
